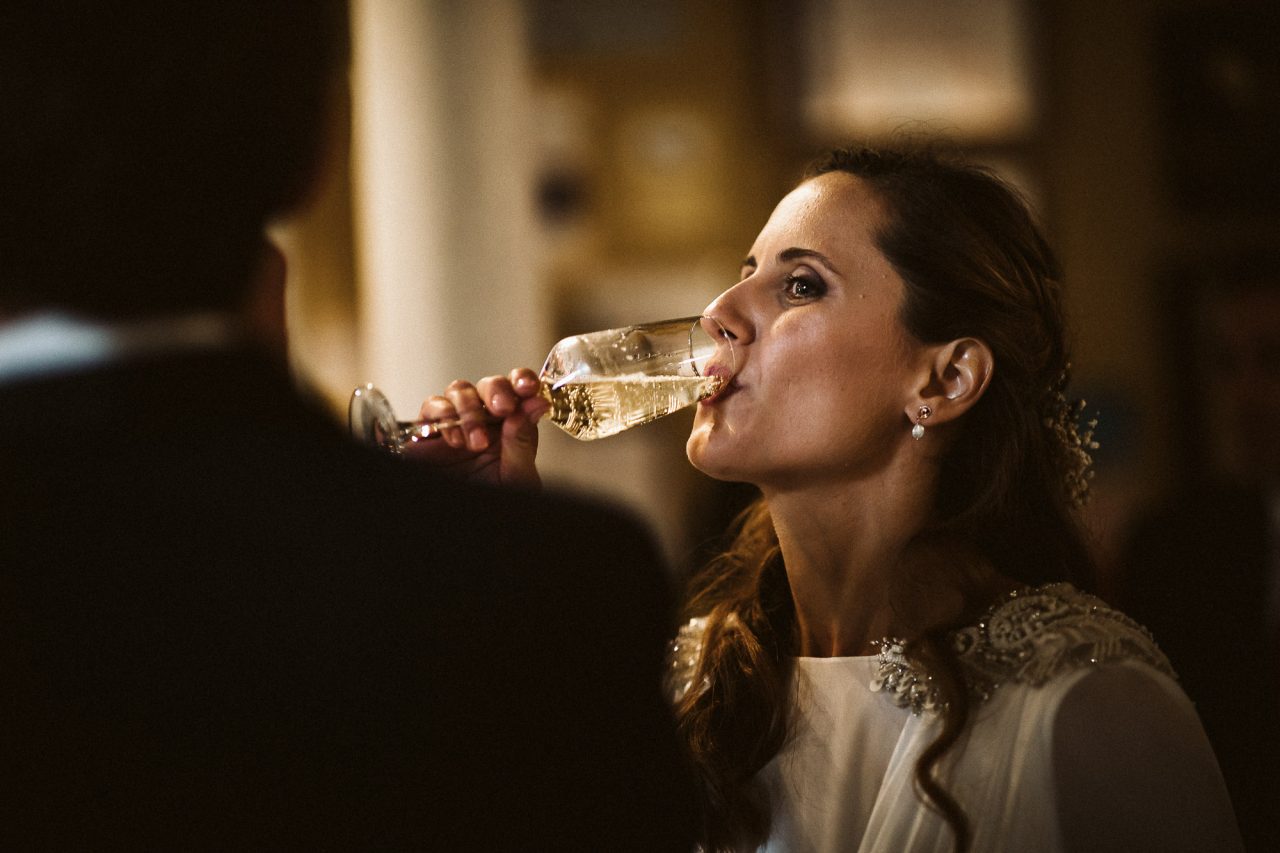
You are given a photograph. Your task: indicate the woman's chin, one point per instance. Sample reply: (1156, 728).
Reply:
(706, 453)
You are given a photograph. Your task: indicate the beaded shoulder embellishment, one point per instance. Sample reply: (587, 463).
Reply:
(1028, 637)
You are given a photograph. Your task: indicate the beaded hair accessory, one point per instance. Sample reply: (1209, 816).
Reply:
(1062, 419)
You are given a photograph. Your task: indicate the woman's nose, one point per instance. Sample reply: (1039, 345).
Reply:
(732, 320)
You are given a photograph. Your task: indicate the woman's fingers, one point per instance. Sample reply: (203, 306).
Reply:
(498, 395)
(520, 452)
(441, 411)
(493, 424)
(528, 388)
(514, 397)
(472, 413)
(524, 381)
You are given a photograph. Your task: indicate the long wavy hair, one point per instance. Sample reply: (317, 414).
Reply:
(974, 264)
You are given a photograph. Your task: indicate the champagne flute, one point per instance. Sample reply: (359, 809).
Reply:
(598, 383)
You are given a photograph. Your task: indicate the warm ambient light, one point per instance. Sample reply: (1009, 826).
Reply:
(959, 67)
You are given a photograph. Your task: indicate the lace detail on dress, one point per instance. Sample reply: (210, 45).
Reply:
(682, 658)
(1029, 637)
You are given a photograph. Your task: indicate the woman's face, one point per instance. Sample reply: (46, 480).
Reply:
(826, 372)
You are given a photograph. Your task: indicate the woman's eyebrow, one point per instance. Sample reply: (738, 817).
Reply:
(797, 253)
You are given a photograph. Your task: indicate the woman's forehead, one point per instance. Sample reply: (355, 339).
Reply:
(826, 211)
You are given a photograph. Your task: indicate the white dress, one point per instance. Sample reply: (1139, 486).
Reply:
(1079, 739)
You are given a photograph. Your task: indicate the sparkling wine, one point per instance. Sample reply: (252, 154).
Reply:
(598, 408)
(598, 383)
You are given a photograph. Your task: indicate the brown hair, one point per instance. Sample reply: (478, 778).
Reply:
(974, 264)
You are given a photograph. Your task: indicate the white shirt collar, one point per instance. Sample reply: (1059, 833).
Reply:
(47, 344)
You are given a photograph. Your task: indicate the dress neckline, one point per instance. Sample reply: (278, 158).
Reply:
(816, 660)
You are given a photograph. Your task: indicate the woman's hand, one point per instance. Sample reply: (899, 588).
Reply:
(497, 439)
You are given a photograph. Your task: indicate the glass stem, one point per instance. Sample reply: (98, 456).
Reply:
(422, 431)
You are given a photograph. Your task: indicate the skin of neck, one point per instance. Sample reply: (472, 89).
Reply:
(846, 545)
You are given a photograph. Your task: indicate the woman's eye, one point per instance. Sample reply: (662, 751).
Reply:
(799, 287)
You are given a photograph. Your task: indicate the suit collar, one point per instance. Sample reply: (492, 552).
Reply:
(53, 344)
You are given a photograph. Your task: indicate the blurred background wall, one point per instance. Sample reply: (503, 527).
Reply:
(505, 172)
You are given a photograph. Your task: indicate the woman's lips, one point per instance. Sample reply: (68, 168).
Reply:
(729, 386)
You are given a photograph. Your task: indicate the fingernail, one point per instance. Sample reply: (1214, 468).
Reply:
(478, 439)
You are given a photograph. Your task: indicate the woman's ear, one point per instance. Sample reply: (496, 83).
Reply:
(959, 372)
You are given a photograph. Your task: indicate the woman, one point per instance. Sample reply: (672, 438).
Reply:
(891, 655)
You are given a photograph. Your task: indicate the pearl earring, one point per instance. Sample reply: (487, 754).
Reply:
(922, 414)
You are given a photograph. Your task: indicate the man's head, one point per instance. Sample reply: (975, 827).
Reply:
(146, 143)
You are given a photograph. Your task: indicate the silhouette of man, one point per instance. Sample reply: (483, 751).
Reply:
(221, 624)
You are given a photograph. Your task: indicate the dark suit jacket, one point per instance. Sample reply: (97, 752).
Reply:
(224, 626)
(1197, 577)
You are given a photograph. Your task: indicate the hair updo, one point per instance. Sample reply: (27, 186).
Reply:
(974, 264)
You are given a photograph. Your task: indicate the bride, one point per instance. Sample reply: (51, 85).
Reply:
(894, 654)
